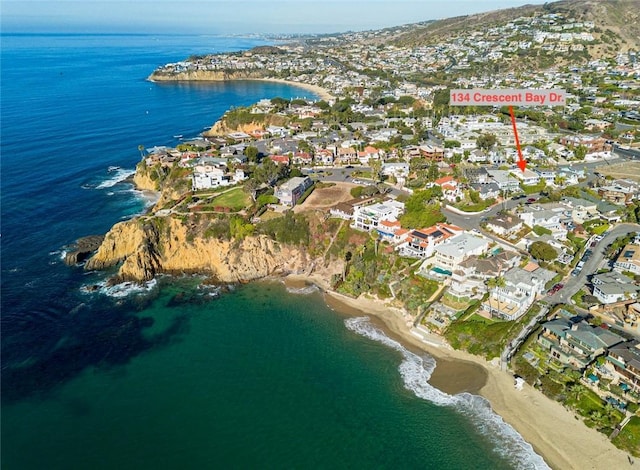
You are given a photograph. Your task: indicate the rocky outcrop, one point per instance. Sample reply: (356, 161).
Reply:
(143, 181)
(83, 248)
(205, 75)
(146, 247)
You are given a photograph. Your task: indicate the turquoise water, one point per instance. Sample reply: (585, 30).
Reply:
(257, 378)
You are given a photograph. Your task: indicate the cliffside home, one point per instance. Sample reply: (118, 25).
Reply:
(421, 243)
(290, 192)
(369, 217)
(521, 286)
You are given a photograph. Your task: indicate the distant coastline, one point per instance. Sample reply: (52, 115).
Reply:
(214, 76)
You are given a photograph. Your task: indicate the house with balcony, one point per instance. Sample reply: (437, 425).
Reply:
(368, 218)
(527, 177)
(623, 360)
(574, 342)
(448, 255)
(420, 243)
(213, 178)
(289, 192)
(505, 180)
(550, 219)
(521, 286)
(469, 277)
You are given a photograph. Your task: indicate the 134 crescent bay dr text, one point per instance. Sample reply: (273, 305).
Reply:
(514, 97)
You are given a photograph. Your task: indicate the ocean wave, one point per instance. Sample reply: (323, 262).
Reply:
(121, 290)
(416, 371)
(118, 176)
(303, 290)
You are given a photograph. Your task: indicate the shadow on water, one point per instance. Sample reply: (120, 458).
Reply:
(43, 349)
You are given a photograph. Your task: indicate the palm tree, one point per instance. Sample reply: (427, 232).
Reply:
(141, 150)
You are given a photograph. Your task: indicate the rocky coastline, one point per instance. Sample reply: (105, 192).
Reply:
(146, 246)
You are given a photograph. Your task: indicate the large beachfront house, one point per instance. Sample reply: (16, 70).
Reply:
(575, 342)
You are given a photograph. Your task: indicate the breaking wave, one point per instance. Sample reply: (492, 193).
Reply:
(303, 290)
(118, 176)
(122, 289)
(416, 372)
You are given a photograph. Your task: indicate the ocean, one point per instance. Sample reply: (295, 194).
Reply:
(173, 374)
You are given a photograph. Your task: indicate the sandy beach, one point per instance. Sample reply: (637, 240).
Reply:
(318, 90)
(563, 440)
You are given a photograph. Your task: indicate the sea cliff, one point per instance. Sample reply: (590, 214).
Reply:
(205, 75)
(148, 246)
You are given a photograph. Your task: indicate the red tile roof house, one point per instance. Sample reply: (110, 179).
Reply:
(421, 243)
(302, 158)
(450, 188)
(279, 159)
(368, 153)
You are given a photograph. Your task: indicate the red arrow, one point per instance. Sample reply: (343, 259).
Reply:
(521, 161)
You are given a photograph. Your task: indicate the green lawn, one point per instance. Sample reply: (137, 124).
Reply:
(236, 200)
(629, 437)
(600, 229)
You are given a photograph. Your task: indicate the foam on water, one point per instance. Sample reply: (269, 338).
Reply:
(122, 289)
(416, 372)
(118, 176)
(303, 290)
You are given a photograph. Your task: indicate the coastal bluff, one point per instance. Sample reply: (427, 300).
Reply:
(146, 246)
(205, 75)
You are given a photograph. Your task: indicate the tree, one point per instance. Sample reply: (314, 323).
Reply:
(251, 187)
(580, 152)
(433, 171)
(376, 170)
(141, 150)
(542, 251)
(252, 153)
(486, 141)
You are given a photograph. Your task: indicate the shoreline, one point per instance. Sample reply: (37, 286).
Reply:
(322, 93)
(555, 433)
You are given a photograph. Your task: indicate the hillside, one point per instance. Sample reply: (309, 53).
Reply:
(617, 24)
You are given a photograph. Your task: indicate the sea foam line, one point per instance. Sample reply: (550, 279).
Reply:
(416, 372)
(303, 290)
(118, 177)
(122, 289)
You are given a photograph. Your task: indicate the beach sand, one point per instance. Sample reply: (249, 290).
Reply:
(318, 90)
(563, 440)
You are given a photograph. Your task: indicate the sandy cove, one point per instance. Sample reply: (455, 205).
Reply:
(562, 439)
(323, 93)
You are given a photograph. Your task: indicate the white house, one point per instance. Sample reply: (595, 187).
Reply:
(518, 293)
(369, 217)
(613, 287)
(450, 254)
(210, 179)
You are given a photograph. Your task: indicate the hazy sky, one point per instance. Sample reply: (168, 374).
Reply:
(220, 16)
